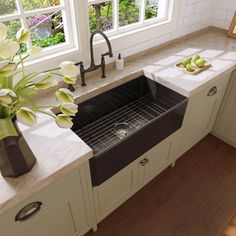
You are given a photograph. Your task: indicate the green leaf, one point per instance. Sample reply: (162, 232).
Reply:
(23, 82)
(7, 128)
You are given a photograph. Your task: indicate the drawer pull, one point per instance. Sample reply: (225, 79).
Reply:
(212, 91)
(28, 211)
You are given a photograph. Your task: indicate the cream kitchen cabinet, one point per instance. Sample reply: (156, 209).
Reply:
(120, 187)
(112, 193)
(225, 127)
(156, 159)
(201, 113)
(64, 208)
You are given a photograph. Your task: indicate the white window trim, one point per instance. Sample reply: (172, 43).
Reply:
(128, 43)
(142, 23)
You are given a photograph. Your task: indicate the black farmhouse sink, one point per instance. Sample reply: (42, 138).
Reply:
(122, 124)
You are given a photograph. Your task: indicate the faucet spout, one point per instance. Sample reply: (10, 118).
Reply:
(109, 53)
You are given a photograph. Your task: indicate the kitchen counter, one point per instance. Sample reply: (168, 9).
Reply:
(59, 151)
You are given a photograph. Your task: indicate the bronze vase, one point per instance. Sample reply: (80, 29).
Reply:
(16, 157)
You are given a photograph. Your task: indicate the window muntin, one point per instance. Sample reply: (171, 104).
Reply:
(126, 14)
(30, 5)
(49, 22)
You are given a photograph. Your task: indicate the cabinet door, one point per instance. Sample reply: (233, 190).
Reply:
(201, 114)
(59, 220)
(227, 124)
(116, 190)
(157, 159)
(60, 209)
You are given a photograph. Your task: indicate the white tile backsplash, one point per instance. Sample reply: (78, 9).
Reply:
(223, 12)
(198, 14)
(194, 15)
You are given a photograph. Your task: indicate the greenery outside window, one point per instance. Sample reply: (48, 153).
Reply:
(115, 16)
(48, 20)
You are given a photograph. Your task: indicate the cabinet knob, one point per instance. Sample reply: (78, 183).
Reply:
(144, 161)
(28, 211)
(212, 91)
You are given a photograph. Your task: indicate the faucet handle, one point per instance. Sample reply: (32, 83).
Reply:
(79, 63)
(107, 54)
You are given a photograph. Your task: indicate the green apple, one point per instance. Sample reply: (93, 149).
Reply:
(186, 61)
(190, 68)
(195, 58)
(200, 62)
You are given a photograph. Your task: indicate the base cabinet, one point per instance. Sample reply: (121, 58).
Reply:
(116, 190)
(225, 127)
(61, 209)
(120, 187)
(201, 114)
(156, 160)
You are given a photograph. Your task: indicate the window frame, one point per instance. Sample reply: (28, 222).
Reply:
(66, 6)
(142, 23)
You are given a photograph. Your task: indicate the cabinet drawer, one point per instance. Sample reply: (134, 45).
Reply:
(43, 205)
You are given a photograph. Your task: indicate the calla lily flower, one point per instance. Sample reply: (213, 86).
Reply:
(64, 95)
(8, 49)
(35, 51)
(64, 121)
(44, 81)
(6, 96)
(70, 80)
(69, 109)
(7, 68)
(3, 32)
(69, 70)
(26, 116)
(22, 35)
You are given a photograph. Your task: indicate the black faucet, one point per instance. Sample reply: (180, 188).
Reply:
(93, 66)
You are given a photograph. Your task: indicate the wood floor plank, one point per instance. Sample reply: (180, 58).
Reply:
(195, 198)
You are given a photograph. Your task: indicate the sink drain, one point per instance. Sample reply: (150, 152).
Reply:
(121, 130)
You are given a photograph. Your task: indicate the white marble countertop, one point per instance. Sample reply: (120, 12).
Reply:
(164, 71)
(59, 151)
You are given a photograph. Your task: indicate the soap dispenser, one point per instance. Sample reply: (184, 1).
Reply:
(119, 63)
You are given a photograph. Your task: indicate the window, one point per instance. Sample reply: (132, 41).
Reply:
(114, 16)
(48, 20)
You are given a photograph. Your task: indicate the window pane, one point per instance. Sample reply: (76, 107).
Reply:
(129, 11)
(7, 7)
(100, 16)
(38, 4)
(46, 30)
(151, 10)
(12, 27)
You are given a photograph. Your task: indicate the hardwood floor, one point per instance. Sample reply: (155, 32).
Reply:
(195, 198)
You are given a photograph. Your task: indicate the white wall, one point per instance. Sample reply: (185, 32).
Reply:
(223, 13)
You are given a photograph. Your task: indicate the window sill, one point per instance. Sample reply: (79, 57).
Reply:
(52, 61)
